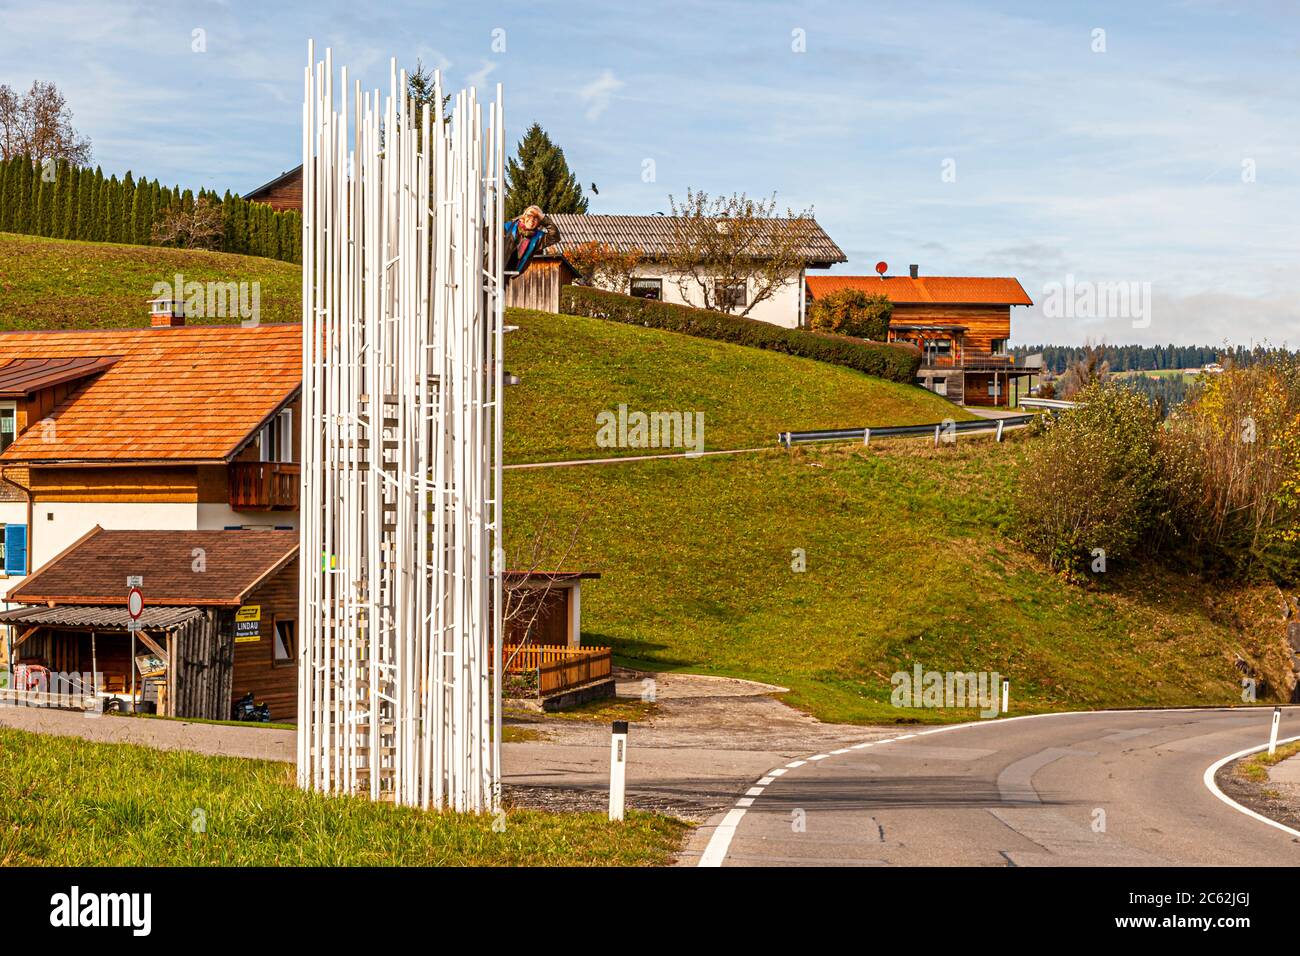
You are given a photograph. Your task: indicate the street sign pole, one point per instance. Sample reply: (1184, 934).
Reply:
(134, 607)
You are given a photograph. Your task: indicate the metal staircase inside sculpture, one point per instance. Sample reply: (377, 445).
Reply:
(401, 495)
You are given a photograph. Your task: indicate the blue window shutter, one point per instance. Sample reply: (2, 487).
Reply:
(16, 549)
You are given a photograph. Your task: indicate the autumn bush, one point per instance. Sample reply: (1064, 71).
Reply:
(1215, 489)
(1091, 492)
(852, 312)
(1231, 455)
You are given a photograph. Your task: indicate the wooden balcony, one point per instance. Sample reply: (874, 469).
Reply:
(264, 486)
(970, 361)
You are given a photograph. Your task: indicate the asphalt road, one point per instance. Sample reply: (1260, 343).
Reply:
(1093, 789)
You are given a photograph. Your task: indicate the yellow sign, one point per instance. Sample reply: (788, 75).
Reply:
(248, 626)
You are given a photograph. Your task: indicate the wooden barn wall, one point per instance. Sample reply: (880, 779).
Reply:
(255, 666)
(539, 286)
(199, 677)
(286, 195)
(985, 322)
(550, 626)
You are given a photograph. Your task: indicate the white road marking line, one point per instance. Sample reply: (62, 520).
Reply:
(1211, 770)
(842, 750)
(719, 843)
(766, 781)
(777, 772)
(754, 792)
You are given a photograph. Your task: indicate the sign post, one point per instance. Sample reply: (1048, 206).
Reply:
(617, 769)
(134, 607)
(1272, 737)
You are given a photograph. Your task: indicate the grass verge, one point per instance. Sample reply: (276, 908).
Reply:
(70, 802)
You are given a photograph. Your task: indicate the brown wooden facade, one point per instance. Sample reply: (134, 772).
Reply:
(281, 193)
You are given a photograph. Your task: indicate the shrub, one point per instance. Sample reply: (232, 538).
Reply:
(897, 362)
(1092, 481)
(852, 312)
(1232, 458)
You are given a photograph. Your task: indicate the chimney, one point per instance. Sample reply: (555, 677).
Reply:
(915, 270)
(164, 313)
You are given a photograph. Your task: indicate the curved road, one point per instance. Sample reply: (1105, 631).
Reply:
(1093, 789)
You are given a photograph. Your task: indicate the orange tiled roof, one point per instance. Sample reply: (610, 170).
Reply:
(936, 290)
(188, 394)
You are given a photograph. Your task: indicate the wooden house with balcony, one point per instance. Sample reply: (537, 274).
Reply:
(161, 428)
(962, 325)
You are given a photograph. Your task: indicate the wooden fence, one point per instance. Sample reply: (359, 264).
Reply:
(558, 668)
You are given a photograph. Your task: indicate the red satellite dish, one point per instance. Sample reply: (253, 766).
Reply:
(135, 603)
(882, 267)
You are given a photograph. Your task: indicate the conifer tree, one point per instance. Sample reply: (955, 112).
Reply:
(538, 175)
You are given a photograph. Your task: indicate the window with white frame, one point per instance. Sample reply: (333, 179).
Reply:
(275, 442)
(8, 424)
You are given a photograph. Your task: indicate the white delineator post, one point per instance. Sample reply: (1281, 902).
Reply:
(1006, 695)
(617, 769)
(400, 596)
(1272, 736)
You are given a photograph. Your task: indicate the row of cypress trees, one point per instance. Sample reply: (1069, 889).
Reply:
(68, 202)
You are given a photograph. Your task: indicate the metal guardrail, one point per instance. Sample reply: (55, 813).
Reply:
(1056, 404)
(938, 429)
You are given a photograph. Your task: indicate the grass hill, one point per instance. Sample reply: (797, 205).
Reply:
(573, 367)
(908, 559)
(61, 284)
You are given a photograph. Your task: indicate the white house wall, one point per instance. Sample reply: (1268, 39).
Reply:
(57, 524)
(219, 516)
(781, 308)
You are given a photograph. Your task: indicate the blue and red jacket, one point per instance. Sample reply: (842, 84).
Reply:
(543, 236)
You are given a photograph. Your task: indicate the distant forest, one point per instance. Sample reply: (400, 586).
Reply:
(1132, 358)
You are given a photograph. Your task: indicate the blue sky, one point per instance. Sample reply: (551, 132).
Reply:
(1170, 157)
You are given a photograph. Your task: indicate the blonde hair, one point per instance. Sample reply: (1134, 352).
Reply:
(533, 209)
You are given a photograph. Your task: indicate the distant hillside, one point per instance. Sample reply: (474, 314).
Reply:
(60, 284)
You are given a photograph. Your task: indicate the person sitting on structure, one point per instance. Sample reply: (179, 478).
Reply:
(528, 234)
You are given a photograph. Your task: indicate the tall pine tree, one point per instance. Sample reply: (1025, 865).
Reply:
(538, 175)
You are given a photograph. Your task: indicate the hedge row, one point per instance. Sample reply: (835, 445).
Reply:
(897, 362)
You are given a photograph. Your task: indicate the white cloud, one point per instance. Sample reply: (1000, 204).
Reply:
(598, 94)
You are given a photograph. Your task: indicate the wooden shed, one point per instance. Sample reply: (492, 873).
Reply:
(219, 621)
(538, 287)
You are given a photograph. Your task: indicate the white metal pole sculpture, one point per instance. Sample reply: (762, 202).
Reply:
(401, 453)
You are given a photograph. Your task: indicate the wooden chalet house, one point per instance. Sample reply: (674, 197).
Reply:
(961, 324)
(169, 430)
(281, 193)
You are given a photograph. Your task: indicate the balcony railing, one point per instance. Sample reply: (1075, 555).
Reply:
(968, 359)
(264, 486)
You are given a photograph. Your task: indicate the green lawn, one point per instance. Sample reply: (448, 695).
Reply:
(573, 367)
(58, 284)
(907, 562)
(69, 802)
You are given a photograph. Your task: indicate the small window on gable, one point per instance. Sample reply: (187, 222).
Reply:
(275, 443)
(8, 424)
